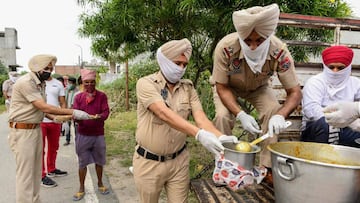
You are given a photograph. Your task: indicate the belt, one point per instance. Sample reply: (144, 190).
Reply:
(23, 125)
(148, 155)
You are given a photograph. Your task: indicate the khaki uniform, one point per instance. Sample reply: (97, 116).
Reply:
(230, 68)
(7, 87)
(26, 144)
(159, 138)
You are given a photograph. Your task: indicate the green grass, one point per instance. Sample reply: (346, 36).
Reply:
(2, 108)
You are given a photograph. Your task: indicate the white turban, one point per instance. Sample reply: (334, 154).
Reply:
(175, 48)
(261, 19)
(39, 62)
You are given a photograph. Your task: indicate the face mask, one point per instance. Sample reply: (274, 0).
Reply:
(44, 75)
(13, 79)
(172, 72)
(336, 78)
(71, 87)
(256, 58)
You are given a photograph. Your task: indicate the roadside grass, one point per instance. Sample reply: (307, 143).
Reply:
(2, 108)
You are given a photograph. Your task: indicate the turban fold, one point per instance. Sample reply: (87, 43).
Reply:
(338, 54)
(87, 74)
(175, 48)
(39, 62)
(263, 20)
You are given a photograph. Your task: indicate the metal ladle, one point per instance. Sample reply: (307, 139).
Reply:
(246, 146)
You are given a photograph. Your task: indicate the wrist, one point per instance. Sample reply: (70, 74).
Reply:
(197, 134)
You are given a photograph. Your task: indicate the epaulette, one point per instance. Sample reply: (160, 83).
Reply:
(186, 82)
(231, 45)
(282, 62)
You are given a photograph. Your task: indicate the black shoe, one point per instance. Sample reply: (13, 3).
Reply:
(57, 172)
(48, 182)
(66, 143)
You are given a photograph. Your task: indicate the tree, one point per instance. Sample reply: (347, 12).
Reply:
(143, 25)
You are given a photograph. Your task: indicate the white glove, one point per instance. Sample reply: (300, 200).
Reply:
(80, 115)
(277, 124)
(209, 141)
(342, 114)
(7, 101)
(248, 122)
(228, 138)
(355, 125)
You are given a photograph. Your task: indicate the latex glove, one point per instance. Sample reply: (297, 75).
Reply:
(80, 115)
(248, 122)
(209, 141)
(277, 124)
(228, 139)
(342, 114)
(355, 125)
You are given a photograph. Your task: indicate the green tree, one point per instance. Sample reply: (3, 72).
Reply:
(143, 25)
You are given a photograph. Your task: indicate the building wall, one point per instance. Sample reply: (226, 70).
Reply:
(67, 70)
(8, 46)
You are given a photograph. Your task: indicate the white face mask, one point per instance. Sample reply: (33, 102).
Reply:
(172, 72)
(336, 78)
(13, 79)
(336, 81)
(256, 58)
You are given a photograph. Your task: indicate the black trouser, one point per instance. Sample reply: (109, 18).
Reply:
(320, 131)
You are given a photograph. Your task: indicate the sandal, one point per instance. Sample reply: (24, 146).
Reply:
(78, 196)
(103, 190)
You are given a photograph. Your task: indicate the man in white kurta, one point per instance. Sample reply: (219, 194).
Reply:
(333, 85)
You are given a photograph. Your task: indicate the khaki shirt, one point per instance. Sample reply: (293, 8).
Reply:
(153, 133)
(27, 89)
(7, 87)
(230, 66)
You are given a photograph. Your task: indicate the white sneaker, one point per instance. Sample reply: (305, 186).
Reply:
(131, 169)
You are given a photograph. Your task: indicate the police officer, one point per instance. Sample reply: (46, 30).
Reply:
(244, 61)
(165, 102)
(7, 88)
(27, 110)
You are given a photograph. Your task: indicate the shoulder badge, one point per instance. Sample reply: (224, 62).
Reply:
(283, 60)
(236, 65)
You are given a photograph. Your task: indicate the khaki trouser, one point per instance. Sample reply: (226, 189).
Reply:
(27, 148)
(152, 176)
(266, 105)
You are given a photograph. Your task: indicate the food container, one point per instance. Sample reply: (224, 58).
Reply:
(314, 172)
(244, 159)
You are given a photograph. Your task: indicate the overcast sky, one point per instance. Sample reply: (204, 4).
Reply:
(50, 26)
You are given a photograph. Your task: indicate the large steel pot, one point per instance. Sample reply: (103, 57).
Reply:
(313, 172)
(244, 159)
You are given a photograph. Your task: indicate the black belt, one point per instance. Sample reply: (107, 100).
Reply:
(148, 155)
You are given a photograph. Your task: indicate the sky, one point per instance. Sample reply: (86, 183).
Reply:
(50, 26)
(46, 27)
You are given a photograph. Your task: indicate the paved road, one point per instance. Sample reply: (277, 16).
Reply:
(67, 186)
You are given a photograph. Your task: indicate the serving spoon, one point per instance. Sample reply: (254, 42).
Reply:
(246, 146)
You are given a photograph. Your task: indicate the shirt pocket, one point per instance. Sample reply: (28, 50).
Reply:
(184, 109)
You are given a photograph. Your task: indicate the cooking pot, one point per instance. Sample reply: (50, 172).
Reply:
(244, 159)
(314, 172)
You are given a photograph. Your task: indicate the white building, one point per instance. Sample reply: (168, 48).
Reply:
(8, 47)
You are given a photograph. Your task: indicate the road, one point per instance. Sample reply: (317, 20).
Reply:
(67, 185)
